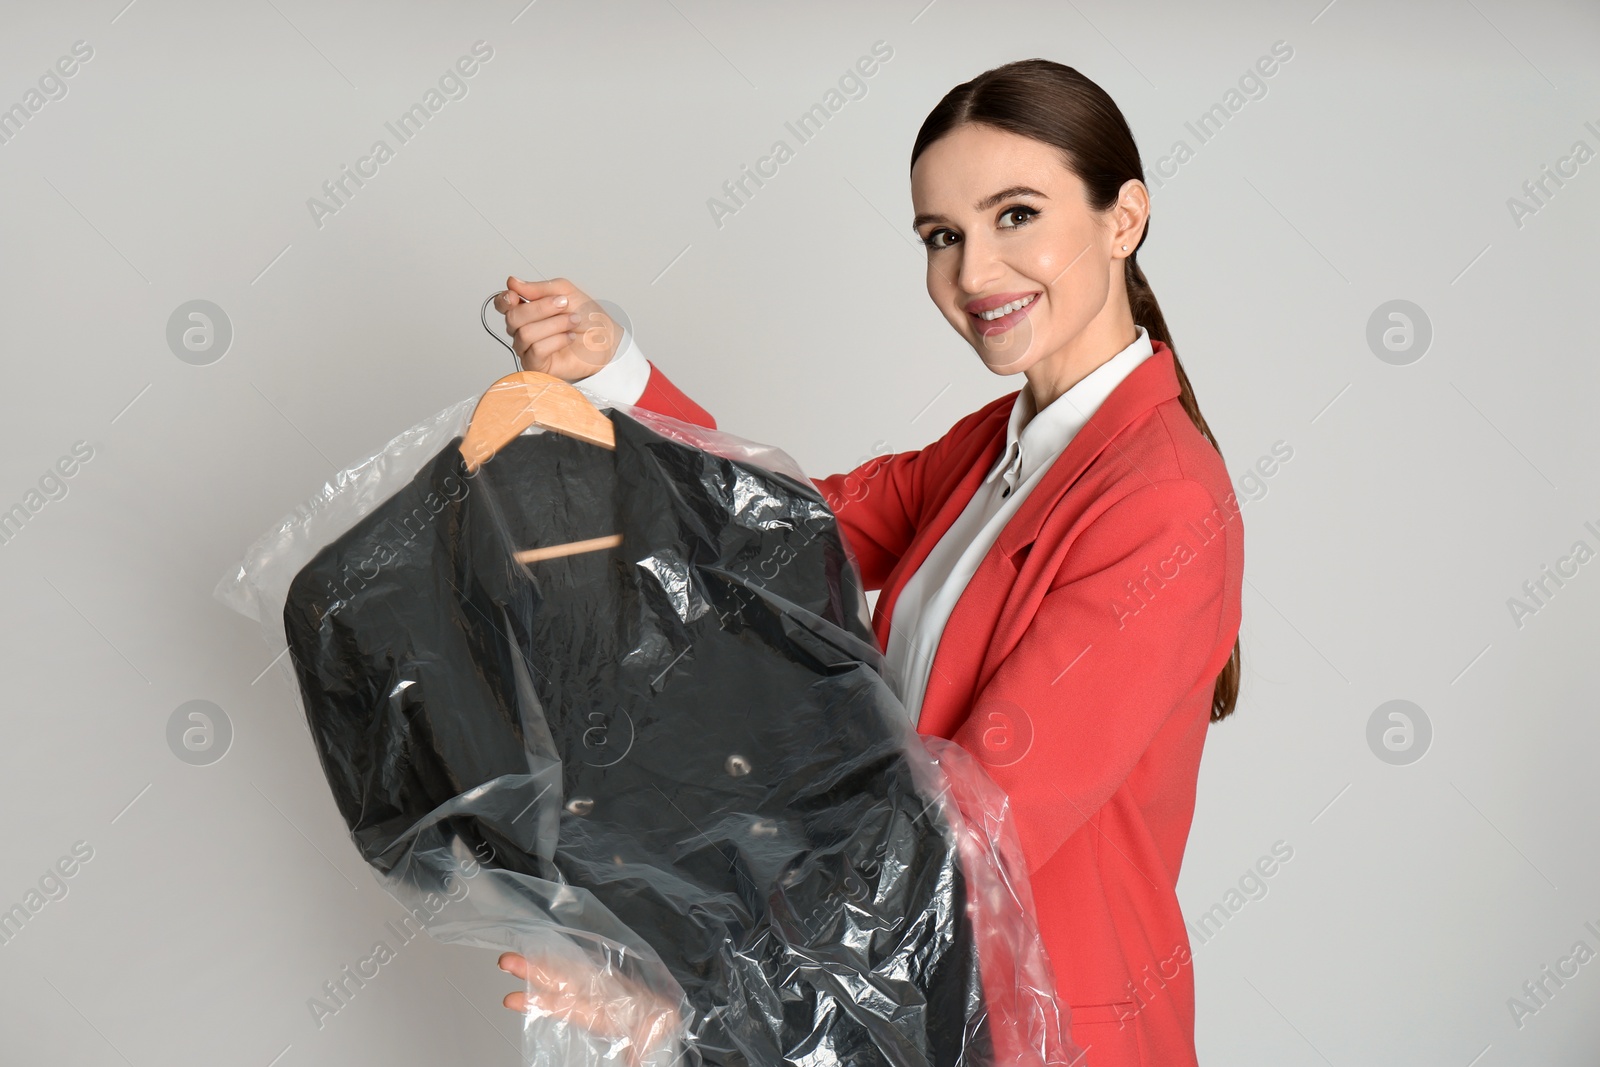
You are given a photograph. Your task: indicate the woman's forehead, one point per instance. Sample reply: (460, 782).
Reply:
(962, 172)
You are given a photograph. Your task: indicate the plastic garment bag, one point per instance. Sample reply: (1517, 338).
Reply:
(671, 772)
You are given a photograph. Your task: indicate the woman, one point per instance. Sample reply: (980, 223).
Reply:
(1060, 573)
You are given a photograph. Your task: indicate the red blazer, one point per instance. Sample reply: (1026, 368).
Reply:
(1078, 665)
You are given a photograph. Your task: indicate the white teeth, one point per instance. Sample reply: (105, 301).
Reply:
(1006, 309)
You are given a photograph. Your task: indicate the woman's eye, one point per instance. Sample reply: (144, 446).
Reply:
(1026, 213)
(1023, 214)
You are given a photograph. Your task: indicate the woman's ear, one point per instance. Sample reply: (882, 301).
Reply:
(1129, 215)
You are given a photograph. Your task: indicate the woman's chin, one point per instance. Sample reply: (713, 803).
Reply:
(1006, 353)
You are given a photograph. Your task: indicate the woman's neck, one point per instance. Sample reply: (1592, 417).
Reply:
(1093, 347)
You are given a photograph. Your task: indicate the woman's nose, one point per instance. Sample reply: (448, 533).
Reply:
(981, 270)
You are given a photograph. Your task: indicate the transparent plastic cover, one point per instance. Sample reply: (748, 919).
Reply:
(669, 772)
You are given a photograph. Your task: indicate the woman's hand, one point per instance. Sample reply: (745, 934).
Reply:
(606, 1004)
(557, 329)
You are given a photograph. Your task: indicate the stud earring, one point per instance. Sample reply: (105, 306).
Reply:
(1124, 248)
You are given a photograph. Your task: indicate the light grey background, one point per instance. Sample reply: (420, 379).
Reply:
(1380, 561)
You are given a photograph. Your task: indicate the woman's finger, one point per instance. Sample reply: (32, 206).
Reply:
(550, 356)
(540, 340)
(602, 1002)
(534, 310)
(538, 290)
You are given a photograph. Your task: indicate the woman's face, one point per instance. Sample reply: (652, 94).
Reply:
(1004, 221)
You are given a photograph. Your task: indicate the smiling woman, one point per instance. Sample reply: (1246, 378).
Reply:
(1040, 232)
(1005, 550)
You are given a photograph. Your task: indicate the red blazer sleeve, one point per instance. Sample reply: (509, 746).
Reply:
(878, 504)
(664, 398)
(1093, 684)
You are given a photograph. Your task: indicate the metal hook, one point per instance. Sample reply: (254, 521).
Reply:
(483, 317)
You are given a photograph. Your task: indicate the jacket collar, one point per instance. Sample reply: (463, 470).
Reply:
(1030, 447)
(1152, 382)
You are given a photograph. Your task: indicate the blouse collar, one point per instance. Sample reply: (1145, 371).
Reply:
(1048, 432)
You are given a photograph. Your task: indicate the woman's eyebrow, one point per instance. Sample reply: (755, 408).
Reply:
(985, 204)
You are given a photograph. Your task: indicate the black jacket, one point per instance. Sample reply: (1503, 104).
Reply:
(692, 727)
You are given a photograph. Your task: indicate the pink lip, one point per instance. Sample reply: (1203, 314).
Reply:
(989, 328)
(990, 302)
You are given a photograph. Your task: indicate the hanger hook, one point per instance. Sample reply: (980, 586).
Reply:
(483, 317)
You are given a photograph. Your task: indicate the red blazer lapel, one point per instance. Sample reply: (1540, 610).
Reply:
(999, 601)
(1151, 382)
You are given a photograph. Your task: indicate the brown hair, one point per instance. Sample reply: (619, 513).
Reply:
(1058, 106)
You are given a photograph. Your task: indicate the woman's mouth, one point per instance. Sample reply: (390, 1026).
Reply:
(999, 319)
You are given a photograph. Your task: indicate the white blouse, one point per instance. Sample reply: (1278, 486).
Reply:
(1033, 441)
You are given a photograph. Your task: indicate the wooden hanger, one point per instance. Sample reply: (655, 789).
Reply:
(530, 398)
